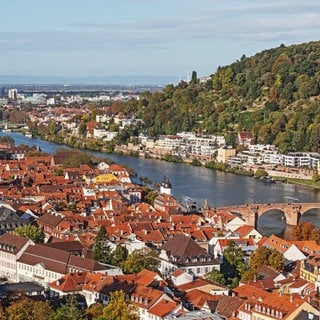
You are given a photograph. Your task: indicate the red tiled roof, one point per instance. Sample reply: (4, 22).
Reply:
(162, 308)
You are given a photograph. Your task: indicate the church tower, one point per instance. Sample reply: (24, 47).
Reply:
(165, 186)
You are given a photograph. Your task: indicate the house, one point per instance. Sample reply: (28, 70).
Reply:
(289, 250)
(248, 232)
(10, 218)
(146, 298)
(225, 306)
(182, 252)
(310, 269)
(180, 277)
(11, 249)
(277, 306)
(245, 138)
(30, 289)
(44, 264)
(204, 285)
(166, 202)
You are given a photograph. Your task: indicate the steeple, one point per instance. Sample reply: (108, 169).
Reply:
(165, 186)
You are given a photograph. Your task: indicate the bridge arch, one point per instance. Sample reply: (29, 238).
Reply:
(271, 221)
(292, 211)
(311, 215)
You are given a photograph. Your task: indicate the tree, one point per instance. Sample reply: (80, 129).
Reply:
(194, 78)
(69, 310)
(260, 173)
(119, 308)
(94, 312)
(101, 249)
(28, 309)
(76, 160)
(82, 129)
(233, 265)
(259, 258)
(216, 276)
(30, 231)
(141, 259)
(276, 260)
(7, 139)
(305, 231)
(118, 255)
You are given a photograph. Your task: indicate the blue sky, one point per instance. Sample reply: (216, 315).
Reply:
(145, 37)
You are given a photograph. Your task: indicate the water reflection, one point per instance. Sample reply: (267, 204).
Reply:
(312, 216)
(272, 222)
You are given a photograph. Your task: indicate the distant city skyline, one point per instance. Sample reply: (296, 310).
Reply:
(130, 40)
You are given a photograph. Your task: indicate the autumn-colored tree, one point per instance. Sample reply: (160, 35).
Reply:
(259, 258)
(119, 308)
(28, 309)
(263, 256)
(305, 231)
(276, 260)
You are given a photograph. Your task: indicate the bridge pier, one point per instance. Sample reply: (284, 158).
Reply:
(252, 216)
(293, 215)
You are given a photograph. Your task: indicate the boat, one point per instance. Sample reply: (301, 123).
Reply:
(28, 134)
(267, 180)
(6, 130)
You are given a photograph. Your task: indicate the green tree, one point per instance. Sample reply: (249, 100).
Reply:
(118, 255)
(7, 139)
(260, 173)
(82, 129)
(141, 259)
(216, 276)
(69, 310)
(233, 265)
(194, 78)
(30, 231)
(101, 249)
(94, 312)
(58, 172)
(119, 308)
(76, 160)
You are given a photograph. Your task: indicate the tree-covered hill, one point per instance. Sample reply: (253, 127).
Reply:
(275, 94)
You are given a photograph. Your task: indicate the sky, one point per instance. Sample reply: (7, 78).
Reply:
(82, 38)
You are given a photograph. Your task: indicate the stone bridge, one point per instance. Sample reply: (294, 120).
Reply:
(251, 212)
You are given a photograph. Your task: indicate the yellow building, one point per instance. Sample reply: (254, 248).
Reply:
(105, 178)
(224, 154)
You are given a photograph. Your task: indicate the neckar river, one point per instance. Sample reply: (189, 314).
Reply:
(202, 184)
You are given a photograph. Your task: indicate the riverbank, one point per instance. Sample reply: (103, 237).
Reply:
(133, 151)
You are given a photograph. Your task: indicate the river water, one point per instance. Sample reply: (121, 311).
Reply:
(202, 184)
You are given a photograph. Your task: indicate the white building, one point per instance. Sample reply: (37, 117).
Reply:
(182, 252)
(11, 249)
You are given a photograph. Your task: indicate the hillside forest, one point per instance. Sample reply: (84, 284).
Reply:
(275, 94)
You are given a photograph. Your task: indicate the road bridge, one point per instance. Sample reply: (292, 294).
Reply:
(251, 212)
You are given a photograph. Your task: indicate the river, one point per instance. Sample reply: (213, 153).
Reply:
(216, 187)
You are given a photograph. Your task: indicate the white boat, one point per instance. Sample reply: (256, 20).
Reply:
(28, 134)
